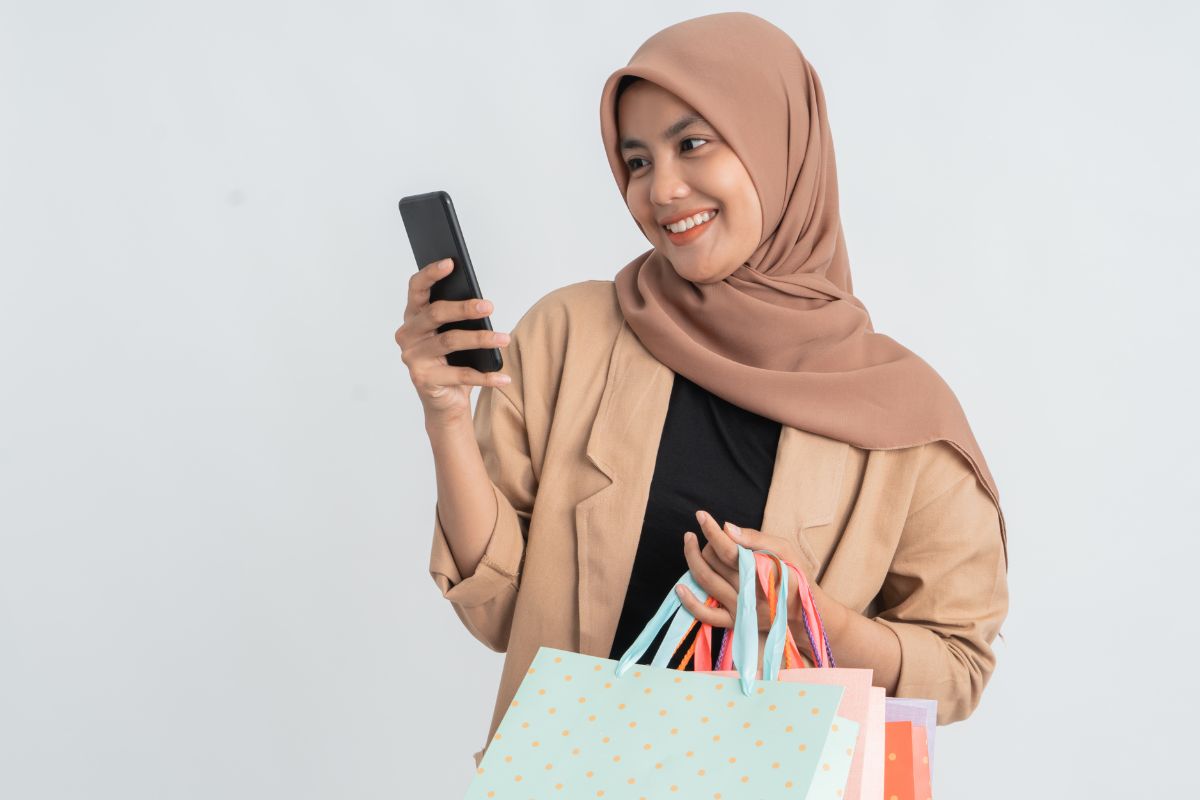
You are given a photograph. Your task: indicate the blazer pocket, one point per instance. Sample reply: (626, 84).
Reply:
(813, 566)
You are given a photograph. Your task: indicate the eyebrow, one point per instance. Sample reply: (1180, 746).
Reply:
(674, 130)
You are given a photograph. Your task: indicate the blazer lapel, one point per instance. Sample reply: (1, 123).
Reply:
(622, 447)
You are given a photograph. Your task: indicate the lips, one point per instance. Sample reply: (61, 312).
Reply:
(663, 223)
(692, 233)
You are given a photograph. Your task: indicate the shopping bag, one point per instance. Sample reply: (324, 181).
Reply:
(918, 711)
(898, 781)
(873, 745)
(841, 779)
(864, 777)
(584, 726)
(906, 768)
(870, 774)
(842, 748)
(922, 783)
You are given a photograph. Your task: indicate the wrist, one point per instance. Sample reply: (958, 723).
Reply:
(834, 615)
(438, 424)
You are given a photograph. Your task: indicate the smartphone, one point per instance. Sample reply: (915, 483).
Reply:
(434, 233)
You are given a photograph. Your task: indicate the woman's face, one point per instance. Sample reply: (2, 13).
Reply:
(678, 167)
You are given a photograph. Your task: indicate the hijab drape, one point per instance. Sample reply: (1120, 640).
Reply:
(783, 335)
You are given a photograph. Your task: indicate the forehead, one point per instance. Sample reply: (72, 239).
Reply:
(648, 112)
(644, 101)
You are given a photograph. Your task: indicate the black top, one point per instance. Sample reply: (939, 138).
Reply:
(714, 456)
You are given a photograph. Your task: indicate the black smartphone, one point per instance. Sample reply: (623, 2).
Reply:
(434, 233)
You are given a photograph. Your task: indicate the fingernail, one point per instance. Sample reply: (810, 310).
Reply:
(734, 530)
(678, 590)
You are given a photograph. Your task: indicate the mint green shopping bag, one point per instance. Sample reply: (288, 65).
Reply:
(581, 726)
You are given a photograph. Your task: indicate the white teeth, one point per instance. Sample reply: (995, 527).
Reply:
(690, 222)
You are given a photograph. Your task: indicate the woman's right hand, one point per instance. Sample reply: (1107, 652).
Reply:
(445, 390)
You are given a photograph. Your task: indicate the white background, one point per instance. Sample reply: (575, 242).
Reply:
(216, 492)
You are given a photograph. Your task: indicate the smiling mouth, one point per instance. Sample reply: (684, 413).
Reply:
(712, 214)
(687, 237)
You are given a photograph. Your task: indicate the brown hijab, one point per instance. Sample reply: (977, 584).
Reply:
(783, 335)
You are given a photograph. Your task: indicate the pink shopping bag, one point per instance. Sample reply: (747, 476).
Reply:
(922, 789)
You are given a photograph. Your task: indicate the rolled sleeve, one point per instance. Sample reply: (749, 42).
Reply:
(946, 593)
(484, 600)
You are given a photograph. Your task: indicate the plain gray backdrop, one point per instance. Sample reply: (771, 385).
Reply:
(216, 492)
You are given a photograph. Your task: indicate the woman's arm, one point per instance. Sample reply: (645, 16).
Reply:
(486, 491)
(946, 593)
(944, 596)
(466, 508)
(857, 641)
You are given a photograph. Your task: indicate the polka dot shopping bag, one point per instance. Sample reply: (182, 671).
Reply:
(862, 702)
(582, 726)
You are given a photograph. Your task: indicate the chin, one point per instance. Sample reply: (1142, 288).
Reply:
(704, 275)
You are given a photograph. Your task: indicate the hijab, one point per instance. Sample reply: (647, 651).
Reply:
(783, 335)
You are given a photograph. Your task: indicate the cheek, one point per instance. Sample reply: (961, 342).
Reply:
(741, 203)
(642, 210)
(750, 216)
(743, 224)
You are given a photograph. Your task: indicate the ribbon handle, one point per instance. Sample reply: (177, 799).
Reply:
(745, 629)
(670, 607)
(813, 626)
(739, 651)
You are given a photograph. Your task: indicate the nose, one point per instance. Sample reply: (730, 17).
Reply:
(667, 185)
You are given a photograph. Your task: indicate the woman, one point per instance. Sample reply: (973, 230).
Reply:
(727, 377)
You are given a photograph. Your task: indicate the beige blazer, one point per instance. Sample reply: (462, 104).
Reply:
(908, 536)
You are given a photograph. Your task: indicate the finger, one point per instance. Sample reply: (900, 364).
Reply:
(431, 318)
(422, 281)
(726, 571)
(762, 608)
(765, 611)
(717, 617)
(455, 339)
(445, 375)
(710, 581)
(725, 547)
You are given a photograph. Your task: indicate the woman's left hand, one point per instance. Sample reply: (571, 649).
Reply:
(715, 569)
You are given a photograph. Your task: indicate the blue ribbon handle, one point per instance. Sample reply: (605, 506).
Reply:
(777, 635)
(679, 625)
(745, 635)
(745, 625)
(670, 605)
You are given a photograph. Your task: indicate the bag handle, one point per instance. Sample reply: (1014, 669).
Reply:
(791, 653)
(670, 607)
(823, 654)
(745, 634)
(702, 644)
(745, 624)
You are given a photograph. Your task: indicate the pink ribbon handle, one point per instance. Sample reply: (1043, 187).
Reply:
(813, 626)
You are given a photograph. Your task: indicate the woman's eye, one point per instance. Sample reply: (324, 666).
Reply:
(634, 166)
